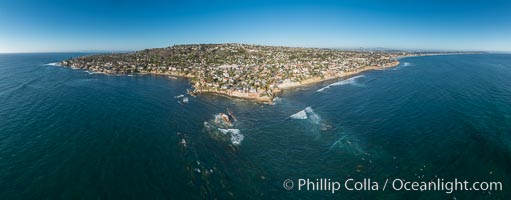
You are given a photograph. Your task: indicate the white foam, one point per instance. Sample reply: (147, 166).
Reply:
(234, 134)
(299, 115)
(185, 100)
(207, 125)
(229, 130)
(179, 96)
(236, 139)
(307, 113)
(53, 64)
(407, 64)
(312, 115)
(350, 81)
(276, 100)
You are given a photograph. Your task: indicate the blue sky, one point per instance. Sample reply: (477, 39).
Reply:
(52, 26)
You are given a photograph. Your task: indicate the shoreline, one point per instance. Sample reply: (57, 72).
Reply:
(244, 96)
(280, 87)
(310, 81)
(252, 72)
(255, 96)
(316, 80)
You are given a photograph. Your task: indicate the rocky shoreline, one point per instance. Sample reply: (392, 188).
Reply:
(267, 99)
(252, 72)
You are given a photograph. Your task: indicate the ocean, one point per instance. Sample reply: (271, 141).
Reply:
(70, 134)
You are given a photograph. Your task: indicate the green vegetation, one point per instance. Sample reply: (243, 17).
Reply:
(237, 69)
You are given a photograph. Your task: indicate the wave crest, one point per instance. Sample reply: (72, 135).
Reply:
(350, 81)
(299, 115)
(307, 113)
(53, 64)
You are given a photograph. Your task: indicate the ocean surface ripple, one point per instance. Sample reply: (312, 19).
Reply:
(68, 134)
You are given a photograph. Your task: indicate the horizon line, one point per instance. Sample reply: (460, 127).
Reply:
(292, 46)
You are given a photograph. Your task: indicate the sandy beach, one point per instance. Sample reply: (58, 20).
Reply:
(281, 87)
(290, 85)
(314, 80)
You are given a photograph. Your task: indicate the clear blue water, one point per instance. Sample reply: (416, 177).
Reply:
(69, 134)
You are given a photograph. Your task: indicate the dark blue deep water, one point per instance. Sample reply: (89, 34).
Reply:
(68, 134)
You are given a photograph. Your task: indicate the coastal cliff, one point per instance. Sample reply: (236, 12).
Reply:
(252, 72)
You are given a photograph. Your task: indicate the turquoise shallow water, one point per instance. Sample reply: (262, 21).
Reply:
(69, 134)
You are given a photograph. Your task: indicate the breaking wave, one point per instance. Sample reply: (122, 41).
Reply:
(220, 128)
(307, 113)
(407, 64)
(235, 135)
(311, 123)
(312, 115)
(181, 98)
(277, 100)
(231, 135)
(53, 64)
(350, 81)
(299, 115)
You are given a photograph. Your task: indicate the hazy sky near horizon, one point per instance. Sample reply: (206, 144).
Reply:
(58, 25)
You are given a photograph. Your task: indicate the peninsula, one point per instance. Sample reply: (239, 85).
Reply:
(239, 70)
